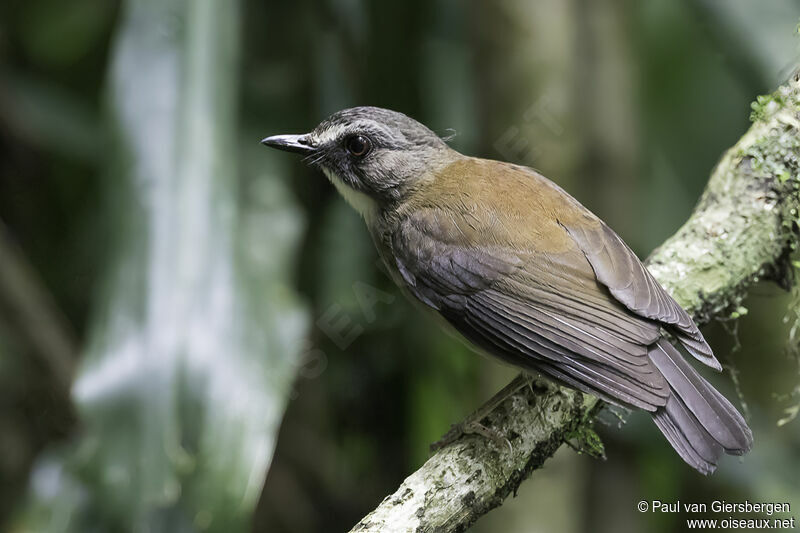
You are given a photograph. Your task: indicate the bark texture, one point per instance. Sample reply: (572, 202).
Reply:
(743, 229)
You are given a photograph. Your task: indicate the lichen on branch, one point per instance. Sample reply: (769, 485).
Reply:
(744, 226)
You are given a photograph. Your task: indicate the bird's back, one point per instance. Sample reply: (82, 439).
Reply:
(512, 204)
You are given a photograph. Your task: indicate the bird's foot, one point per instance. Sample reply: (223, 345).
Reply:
(471, 427)
(474, 423)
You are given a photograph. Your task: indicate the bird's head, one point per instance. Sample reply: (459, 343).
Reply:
(373, 156)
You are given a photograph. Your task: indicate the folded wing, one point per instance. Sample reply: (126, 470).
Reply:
(546, 312)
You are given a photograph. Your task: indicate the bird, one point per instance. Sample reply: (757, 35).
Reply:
(524, 272)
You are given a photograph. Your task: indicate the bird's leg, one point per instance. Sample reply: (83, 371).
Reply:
(473, 423)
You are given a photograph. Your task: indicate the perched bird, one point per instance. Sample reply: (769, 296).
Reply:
(524, 272)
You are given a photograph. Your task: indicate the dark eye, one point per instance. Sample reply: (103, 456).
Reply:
(358, 145)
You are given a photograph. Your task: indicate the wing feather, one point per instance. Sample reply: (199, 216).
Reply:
(559, 363)
(618, 268)
(515, 304)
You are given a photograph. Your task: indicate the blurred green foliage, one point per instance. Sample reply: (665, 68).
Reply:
(132, 181)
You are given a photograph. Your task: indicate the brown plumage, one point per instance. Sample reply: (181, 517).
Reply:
(526, 273)
(541, 282)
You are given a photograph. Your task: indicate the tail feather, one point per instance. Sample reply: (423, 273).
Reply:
(697, 420)
(693, 443)
(744, 429)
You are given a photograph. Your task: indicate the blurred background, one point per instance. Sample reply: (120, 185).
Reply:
(194, 331)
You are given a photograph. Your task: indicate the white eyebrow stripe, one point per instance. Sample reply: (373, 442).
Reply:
(334, 132)
(331, 134)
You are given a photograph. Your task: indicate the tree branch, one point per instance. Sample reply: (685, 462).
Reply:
(742, 230)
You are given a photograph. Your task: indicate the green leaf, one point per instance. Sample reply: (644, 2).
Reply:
(791, 414)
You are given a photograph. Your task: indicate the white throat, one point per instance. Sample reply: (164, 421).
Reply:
(366, 206)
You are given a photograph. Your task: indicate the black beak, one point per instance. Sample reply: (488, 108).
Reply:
(290, 143)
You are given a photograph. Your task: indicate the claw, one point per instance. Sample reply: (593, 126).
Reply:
(471, 428)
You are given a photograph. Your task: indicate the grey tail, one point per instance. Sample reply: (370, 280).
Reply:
(696, 420)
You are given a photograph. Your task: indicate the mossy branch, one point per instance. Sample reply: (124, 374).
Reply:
(743, 229)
